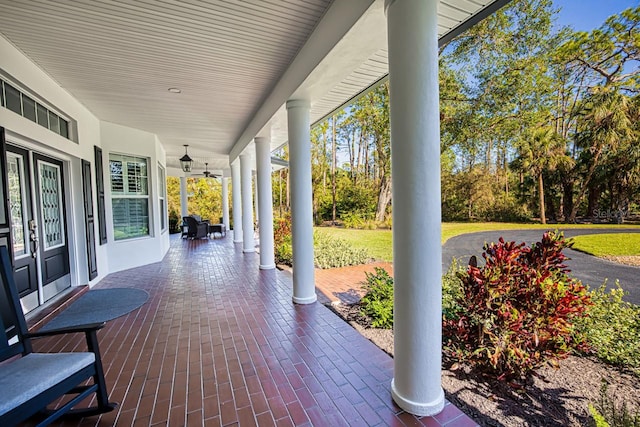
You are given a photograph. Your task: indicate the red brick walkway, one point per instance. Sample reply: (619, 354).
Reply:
(345, 284)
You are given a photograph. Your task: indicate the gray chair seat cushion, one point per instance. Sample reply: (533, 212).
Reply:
(25, 378)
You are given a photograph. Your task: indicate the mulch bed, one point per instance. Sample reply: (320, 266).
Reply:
(551, 397)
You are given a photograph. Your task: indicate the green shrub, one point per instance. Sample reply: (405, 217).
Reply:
(451, 290)
(284, 252)
(388, 222)
(352, 220)
(370, 225)
(377, 303)
(332, 252)
(612, 328)
(597, 417)
(606, 413)
(174, 222)
(329, 251)
(518, 311)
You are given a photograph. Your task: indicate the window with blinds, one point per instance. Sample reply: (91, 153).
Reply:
(129, 196)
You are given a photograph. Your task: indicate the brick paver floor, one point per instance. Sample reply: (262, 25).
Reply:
(220, 343)
(345, 284)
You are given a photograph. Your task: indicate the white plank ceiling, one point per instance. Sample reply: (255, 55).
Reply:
(120, 57)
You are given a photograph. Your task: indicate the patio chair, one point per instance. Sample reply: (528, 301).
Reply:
(30, 381)
(196, 229)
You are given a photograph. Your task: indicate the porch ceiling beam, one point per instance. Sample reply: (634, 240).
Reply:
(338, 20)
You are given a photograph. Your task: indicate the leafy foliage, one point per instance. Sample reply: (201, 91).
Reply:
(174, 221)
(352, 220)
(329, 251)
(332, 252)
(282, 240)
(597, 417)
(612, 328)
(607, 413)
(451, 290)
(205, 198)
(377, 303)
(518, 311)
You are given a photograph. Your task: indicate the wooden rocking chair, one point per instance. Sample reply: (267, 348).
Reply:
(30, 381)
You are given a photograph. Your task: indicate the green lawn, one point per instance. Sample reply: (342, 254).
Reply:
(378, 242)
(608, 244)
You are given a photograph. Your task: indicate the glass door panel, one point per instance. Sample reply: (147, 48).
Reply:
(51, 205)
(19, 214)
(24, 239)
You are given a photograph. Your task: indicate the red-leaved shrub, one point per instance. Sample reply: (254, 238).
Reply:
(517, 311)
(282, 240)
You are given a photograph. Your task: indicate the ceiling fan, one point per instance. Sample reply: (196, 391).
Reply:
(206, 172)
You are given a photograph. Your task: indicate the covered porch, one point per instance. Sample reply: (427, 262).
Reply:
(220, 342)
(125, 90)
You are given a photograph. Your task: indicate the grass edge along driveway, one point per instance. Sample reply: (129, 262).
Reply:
(379, 242)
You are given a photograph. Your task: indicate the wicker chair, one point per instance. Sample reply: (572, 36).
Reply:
(196, 229)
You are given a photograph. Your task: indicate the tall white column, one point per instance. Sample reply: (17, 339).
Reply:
(417, 253)
(236, 201)
(184, 209)
(265, 206)
(301, 201)
(225, 202)
(248, 243)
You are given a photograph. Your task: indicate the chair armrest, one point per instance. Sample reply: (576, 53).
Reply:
(71, 329)
(90, 331)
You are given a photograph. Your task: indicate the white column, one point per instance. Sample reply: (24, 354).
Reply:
(248, 243)
(417, 253)
(236, 201)
(225, 202)
(184, 210)
(265, 206)
(301, 201)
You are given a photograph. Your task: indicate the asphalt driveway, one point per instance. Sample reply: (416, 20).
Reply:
(591, 270)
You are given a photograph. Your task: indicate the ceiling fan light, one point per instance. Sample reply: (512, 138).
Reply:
(206, 172)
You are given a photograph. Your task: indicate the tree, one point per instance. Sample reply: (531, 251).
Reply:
(602, 68)
(604, 122)
(379, 129)
(541, 150)
(205, 197)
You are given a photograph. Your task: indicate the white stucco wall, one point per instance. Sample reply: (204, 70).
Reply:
(130, 253)
(112, 256)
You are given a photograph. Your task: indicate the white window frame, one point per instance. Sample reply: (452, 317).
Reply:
(125, 194)
(162, 198)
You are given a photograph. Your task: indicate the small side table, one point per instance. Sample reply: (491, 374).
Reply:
(217, 228)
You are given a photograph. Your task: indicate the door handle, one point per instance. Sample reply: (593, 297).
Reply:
(35, 245)
(34, 238)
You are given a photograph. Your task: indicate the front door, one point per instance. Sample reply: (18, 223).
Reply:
(52, 231)
(38, 227)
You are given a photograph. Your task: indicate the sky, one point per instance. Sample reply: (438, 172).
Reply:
(585, 15)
